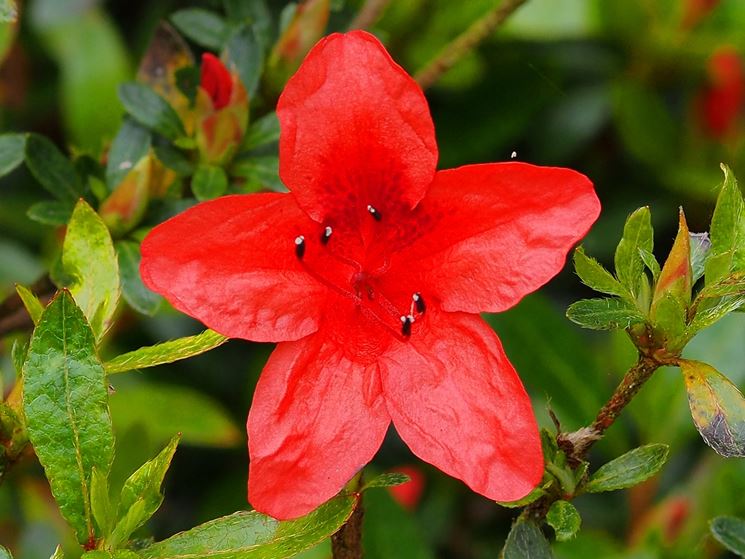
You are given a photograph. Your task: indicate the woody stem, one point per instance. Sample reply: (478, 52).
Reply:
(347, 542)
(466, 41)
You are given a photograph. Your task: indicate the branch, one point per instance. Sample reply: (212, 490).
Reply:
(347, 542)
(466, 41)
(369, 14)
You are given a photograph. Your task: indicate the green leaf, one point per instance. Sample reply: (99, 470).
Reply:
(18, 354)
(531, 497)
(526, 541)
(166, 352)
(730, 285)
(65, 399)
(130, 145)
(151, 110)
(141, 495)
(388, 479)
(50, 212)
(637, 235)
(205, 28)
(58, 553)
(52, 169)
(31, 302)
(12, 152)
(164, 409)
(264, 131)
(603, 314)
(139, 297)
(251, 535)
(564, 519)
(670, 319)
(651, 263)
(594, 275)
(208, 182)
(259, 172)
(717, 407)
(89, 259)
(101, 507)
(174, 159)
(4, 553)
(727, 230)
(629, 469)
(8, 14)
(730, 532)
(245, 51)
(710, 312)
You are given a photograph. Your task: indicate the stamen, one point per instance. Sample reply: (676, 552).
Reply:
(419, 302)
(300, 246)
(373, 212)
(326, 235)
(406, 322)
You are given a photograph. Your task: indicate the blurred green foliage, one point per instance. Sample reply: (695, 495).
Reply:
(619, 89)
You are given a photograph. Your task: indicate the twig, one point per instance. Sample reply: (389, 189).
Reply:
(369, 13)
(347, 542)
(463, 43)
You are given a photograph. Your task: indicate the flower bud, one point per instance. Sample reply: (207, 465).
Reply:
(221, 112)
(124, 208)
(676, 276)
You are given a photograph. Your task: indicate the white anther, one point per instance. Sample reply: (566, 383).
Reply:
(327, 232)
(513, 155)
(415, 297)
(299, 240)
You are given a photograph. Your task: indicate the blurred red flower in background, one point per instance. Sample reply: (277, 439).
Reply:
(722, 102)
(371, 273)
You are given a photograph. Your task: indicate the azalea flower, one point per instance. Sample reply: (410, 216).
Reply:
(370, 273)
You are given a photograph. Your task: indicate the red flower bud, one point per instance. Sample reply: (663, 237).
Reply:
(124, 208)
(721, 103)
(216, 80)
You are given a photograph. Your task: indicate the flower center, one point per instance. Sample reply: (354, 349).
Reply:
(327, 262)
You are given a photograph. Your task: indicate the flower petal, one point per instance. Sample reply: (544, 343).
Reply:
(490, 234)
(457, 402)
(317, 418)
(231, 263)
(356, 130)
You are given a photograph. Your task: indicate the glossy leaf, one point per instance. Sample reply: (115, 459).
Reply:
(139, 297)
(727, 231)
(564, 519)
(651, 263)
(603, 314)
(251, 535)
(12, 152)
(594, 275)
(730, 532)
(52, 169)
(89, 259)
(637, 235)
(151, 110)
(164, 409)
(388, 479)
(50, 212)
(204, 27)
(717, 407)
(101, 507)
(259, 172)
(629, 469)
(245, 51)
(130, 145)
(174, 159)
(31, 302)
(65, 400)
(166, 352)
(709, 313)
(141, 495)
(208, 182)
(526, 541)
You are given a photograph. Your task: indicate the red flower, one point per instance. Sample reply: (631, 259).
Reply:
(371, 273)
(722, 102)
(216, 81)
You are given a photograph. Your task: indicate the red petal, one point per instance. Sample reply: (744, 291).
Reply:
(317, 418)
(216, 80)
(458, 403)
(356, 130)
(231, 263)
(490, 234)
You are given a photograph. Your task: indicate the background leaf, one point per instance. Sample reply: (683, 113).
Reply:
(139, 297)
(202, 26)
(208, 182)
(52, 169)
(564, 519)
(251, 535)
(245, 50)
(526, 541)
(12, 152)
(131, 144)
(65, 400)
(629, 469)
(717, 407)
(151, 110)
